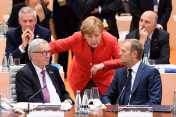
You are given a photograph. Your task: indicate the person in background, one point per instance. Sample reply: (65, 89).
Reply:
(163, 9)
(93, 49)
(138, 84)
(37, 74)
(19, 38)
(44, 2)
(104, 10)
(155, 41)
(66, 18)
(43, 13)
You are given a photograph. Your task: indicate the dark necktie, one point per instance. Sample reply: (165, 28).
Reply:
(128, 87)
(46, 95)
(147, 46)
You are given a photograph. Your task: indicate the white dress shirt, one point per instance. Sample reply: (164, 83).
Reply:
(133, 74)
(54, 97)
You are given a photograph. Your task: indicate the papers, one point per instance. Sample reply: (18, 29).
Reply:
(66, 106)
(97, 105)
(24, 105)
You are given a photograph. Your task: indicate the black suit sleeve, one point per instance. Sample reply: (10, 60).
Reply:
(13, 19)
(135, 10)
(25, 87)
(45, 22)
(89, 5)
(166, 14)
(112, 7)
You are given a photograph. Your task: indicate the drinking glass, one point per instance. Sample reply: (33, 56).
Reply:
(16, 61)
(5, 98)
(151, 62)
(95, 96)
(89, 96)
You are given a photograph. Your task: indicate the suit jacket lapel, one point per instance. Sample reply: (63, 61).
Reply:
(36, 79)
(52, 76)
(36, 32)
(138, 77)
(123, 83)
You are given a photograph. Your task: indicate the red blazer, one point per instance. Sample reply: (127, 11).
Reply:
(79, 71)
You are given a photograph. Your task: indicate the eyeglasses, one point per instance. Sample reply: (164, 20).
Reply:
(44, 53)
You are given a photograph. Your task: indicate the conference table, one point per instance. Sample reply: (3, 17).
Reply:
(168, 84)
(100, 113)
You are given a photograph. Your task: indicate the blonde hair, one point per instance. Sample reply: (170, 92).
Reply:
(89, 25)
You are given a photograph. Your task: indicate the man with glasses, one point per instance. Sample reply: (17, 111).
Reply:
(19, 38)
(38, 74)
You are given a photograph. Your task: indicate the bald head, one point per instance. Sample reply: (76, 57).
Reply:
(151, 14)
(148, 21)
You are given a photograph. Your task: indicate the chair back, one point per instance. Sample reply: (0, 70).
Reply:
(12, 79)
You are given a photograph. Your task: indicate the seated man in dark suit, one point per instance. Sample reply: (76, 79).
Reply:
(38, 74)
(43, 13)
(155, 41)
(19, 38)
(138, 84)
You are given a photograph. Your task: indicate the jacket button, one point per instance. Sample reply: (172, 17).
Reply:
(91, 76)
(90, 63)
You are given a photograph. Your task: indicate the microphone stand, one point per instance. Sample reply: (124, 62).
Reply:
(117, 104)
(32, 97)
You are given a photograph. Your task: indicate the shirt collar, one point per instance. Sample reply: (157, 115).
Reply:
(150, 36)
(135, 67)
(38, 70)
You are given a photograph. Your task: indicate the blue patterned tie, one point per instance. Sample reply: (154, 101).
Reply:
(147, 46)
(128, 87)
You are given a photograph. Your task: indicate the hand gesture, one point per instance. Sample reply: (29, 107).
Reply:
(143, 35)
(96, 67)
(39, 9)
(94, 11)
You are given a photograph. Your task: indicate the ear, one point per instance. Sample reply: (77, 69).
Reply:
(155, 25)
(134, 54)
(32, 55)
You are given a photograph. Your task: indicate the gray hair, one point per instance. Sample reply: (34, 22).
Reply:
(35, 44)
(26, 10)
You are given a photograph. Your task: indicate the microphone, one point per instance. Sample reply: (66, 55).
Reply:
(117, 103)
(34, 96)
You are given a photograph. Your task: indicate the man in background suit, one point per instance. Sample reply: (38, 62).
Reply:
(104, 10)
(43, 13)
(139, 84)
(66, 17)
(37, 74)
(162, 7)
(19, 38)
(155, 41)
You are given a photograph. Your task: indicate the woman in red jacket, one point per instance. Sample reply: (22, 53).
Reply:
(92, 63)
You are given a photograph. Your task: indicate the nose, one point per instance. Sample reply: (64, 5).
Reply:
(93, 38)
(120, 53)
(27, 23)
